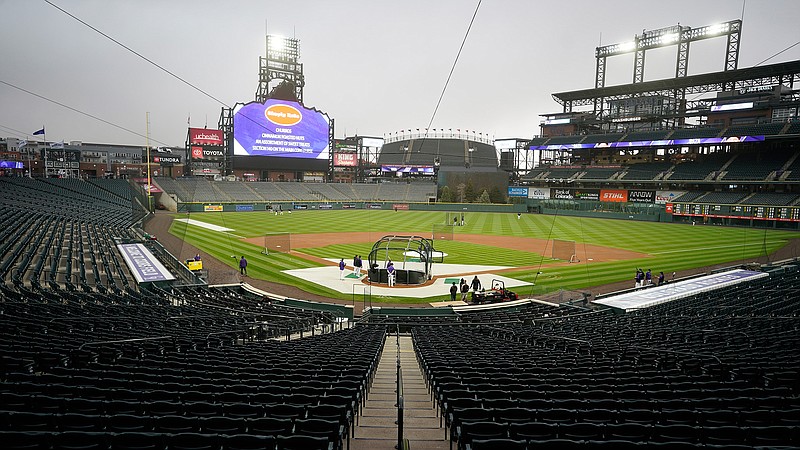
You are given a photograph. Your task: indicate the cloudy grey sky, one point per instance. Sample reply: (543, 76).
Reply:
(374, 66)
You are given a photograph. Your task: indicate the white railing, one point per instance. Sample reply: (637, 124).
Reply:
(466, 135)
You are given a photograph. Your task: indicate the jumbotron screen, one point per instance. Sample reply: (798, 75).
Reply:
(280, 128)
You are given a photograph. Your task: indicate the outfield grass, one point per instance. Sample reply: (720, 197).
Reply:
(671, 247)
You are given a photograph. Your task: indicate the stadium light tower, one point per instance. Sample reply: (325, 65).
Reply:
(280, 73)
(678, 35)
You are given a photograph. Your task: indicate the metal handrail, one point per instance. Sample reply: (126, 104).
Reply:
(400, 396)
(120, 341)
(400, 408)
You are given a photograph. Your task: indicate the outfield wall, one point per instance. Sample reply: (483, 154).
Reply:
(646, 212)
(302, 206)
(607, 215)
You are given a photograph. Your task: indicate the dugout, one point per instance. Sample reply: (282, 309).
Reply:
(412, 257)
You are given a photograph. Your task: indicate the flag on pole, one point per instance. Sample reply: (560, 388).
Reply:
(38, 132)
(57, 145)
(21, 144)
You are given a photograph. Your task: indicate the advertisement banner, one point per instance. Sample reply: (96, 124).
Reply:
(208, 152)
(211, 208)
(10, 165)
(586, 194)
(280, 128)
(326, 206)
(614, 195)
(144, 266)
(426, 170)
(663, 197)
(167, 159)
(202, 136)
(205, 172)
(399, 206)
(635, 196)
(668, 208)
(348, 206)
(517, 191)
(374, 206)
(244, 208)
(561, 194)
(345, 159)
(656, 143)
(300, 206)
(539, 193)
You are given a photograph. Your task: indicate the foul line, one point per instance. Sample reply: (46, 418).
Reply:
(209, 226)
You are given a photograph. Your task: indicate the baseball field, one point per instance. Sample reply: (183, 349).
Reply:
(606, 250)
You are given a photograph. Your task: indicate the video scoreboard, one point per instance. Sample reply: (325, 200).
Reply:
(779, 213)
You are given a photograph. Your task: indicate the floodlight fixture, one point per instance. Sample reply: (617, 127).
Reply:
(717, 28)
(670, 38)
(276, 42)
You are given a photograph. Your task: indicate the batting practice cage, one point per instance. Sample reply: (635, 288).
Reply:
(564, 250)
(442, 232)
(455, 219)
(411, 256)
(277, 243)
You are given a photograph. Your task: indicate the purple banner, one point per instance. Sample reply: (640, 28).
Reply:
(143, 265)
(427, 170)
(657, 143)
(280, 128)
(10, 165)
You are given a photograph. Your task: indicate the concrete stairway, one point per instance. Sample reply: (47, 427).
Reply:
(377, 427)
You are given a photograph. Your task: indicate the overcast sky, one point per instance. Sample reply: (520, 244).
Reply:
(374, 66)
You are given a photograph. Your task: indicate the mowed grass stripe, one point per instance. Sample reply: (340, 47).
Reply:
(671, 246)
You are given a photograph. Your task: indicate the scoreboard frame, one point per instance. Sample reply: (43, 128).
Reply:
(746, 212)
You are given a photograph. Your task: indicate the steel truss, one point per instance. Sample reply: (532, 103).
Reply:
(281, 63)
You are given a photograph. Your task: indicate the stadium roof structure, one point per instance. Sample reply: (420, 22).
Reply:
(444, 152)
(786, 73)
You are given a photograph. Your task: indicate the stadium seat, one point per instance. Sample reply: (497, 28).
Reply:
(77, 440)
(22, 440)
(173, 424)
(192, 441)
(303, 442)
(481, 430)
(222, 425)
(489, 444)
(138, 441)
(270, 426)
(248, 442)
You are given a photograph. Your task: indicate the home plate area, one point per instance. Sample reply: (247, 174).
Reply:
(443, 276)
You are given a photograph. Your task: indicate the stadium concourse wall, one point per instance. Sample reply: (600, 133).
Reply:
(301, 205)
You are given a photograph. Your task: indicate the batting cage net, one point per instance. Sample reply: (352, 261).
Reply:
(277, 243)
(455, 219)
(442, 232)
(564, 250)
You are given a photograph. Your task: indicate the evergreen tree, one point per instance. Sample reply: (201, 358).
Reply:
(469, 192)
(446, 195)
(496, 195)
